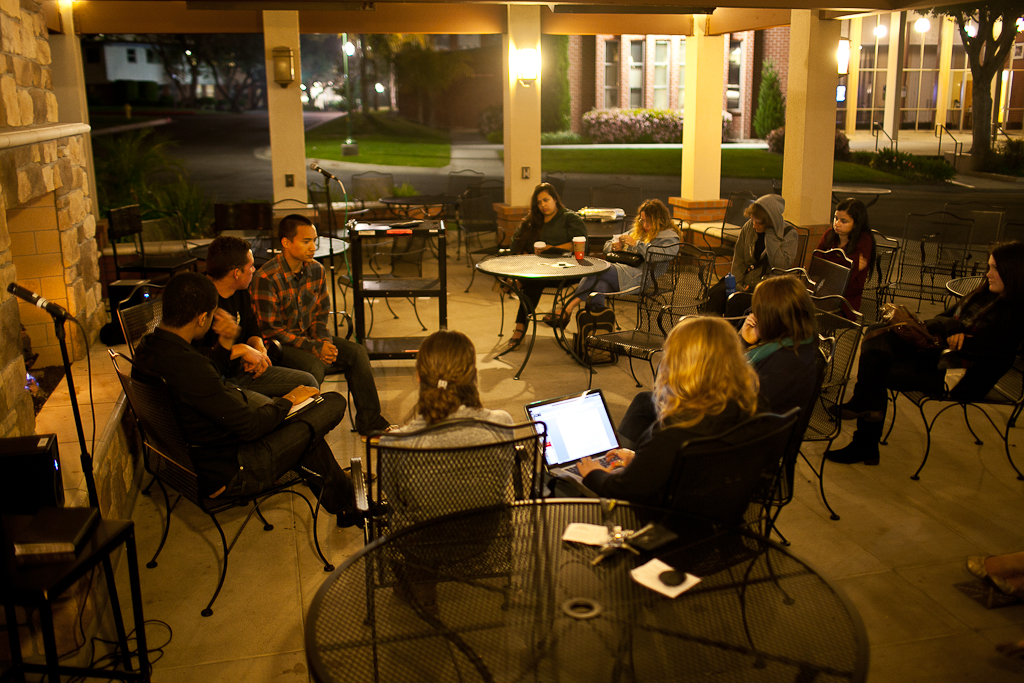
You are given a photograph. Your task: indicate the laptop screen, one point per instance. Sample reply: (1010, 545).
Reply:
(578, 426)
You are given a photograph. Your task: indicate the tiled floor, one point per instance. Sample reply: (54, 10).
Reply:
(897, 551)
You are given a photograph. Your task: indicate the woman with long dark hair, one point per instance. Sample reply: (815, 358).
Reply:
(851, 232)
(982, 333)
(549, 222)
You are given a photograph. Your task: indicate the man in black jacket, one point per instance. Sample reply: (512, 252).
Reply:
(240, 447)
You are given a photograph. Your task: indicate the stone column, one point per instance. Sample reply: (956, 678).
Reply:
(521, 107)
(701, 184)
(853, 75)
(287, 134)
(894, 76)
(810, 121)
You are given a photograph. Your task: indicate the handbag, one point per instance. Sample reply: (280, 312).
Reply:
(626, 258)
(902, 321)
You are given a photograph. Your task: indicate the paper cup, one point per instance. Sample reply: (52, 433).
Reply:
(579, 247)
(539, 247)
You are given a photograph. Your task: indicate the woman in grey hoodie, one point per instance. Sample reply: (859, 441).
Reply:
(765, 242)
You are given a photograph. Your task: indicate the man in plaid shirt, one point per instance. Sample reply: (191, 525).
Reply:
(290, 296)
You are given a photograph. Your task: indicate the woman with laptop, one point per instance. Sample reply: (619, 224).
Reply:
(704, 387)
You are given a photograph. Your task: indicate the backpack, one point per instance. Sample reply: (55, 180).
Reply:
(590, 323)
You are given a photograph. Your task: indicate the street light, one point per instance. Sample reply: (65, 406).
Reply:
(349, 148)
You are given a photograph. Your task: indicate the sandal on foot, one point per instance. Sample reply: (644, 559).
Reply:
(976, 565)
(517, 339)
(560, 321)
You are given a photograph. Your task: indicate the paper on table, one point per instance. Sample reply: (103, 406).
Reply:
(591, 534)
(650, 575)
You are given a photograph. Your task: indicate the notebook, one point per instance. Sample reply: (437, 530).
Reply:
(579, 426)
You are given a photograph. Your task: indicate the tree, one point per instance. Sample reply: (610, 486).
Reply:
(428, 73)
(987, 50)
(236, 62)
(555, 100)
(385, 48)
(321, 61)
(771, 104)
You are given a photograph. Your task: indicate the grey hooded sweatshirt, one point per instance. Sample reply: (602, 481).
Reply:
(779, 244)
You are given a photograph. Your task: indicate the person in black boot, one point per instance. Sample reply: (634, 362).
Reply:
(982, 333)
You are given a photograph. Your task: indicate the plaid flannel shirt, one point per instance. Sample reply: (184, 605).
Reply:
(292, 307)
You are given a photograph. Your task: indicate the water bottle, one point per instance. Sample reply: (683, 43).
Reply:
(730, 285)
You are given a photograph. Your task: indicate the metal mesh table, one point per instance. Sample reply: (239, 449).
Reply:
(516, 603)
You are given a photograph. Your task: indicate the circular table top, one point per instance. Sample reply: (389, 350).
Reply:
(495, 594)
(860, 189)
(535, 267)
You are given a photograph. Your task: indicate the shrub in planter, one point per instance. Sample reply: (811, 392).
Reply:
(777, 140)
(633, 125)
(842, 149)
(777, 143)
(561, 137)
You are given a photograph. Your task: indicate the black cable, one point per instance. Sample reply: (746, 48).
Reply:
(112, 659)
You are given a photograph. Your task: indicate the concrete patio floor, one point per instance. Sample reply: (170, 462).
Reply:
(896, 552)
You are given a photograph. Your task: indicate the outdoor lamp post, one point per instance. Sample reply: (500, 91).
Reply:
(349, 148)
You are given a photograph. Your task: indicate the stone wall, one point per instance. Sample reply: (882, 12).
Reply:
(47, 230)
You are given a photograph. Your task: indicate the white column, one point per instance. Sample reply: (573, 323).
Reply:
(810, 118)
(894, 75)
(946, 32)
(853, 76)
(287, 134)
(702, 104)
(522, 107)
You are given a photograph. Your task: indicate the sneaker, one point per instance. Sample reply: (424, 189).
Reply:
(375, 439)
(852, 454)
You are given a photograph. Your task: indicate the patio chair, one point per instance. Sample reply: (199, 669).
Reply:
(886, 254)
(799, 274)
(557, 180)
(460, 181)
(672, 285)
(726, 236)
(618, 196)
(830, 271)
(168, 457)
(1008, 392)
(126, 222)
(138, 320)
(988, 226)
(717, 477)
(371, 185)
(242, 216)
(823, 426)
(478, 218)
(803, 237)
(934, 251)
(394, 262)
(1012, 232)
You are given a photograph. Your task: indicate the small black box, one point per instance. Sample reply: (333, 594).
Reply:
(118, 291)
(30, 474)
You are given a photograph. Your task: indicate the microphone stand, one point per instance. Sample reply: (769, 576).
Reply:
(330, 245)
(90, 483)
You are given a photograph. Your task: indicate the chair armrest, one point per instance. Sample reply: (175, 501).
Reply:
(348, 323)
(359, 485)
(623, 292)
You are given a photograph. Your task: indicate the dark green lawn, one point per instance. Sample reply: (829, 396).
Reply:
(382, 139)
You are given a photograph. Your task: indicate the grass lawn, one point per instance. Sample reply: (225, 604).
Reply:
(736, 163)
(382, 140)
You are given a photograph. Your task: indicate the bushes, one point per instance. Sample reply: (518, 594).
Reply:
(1007, 158)
(771, 104)
(561, 137)
(555, 100)
(777, 143)
(911, 166)
(633, 125)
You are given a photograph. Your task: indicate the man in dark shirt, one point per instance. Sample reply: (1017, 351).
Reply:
(245, 362)
(239, 448)
(290, 293)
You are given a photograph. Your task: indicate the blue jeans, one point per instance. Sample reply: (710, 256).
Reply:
(606, 281)
(264, 461)
(275, 381)
(353, 361)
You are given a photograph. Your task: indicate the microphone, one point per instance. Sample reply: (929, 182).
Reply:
(53, 309)
(316, 167)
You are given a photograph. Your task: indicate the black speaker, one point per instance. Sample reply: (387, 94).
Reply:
(30, 476)
(118, 291)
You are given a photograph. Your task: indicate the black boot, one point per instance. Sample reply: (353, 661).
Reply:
(858, 409)
(864, 446)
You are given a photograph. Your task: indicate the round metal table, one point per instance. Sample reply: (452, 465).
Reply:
(841, 192)
(425, 205)
(556, 269)
(494, 594)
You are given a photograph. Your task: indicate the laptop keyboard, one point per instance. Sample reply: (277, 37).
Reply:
(605, 461)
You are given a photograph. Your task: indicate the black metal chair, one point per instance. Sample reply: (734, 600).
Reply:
(243, 216)
(799, 274)
(934, 251)
(371, 185)
(460, 181)
(960, 287)
(725, 237)
(618, 196)
(886, 254)
(168, 457)
(1008, 392)
(716, 477)
(988, 226)
(394, 260)
(803, 238)
(140, 319)
(126, 222)
(478, 218)
(1012, 232)
(824, 426)
(555, 179)
(672, 285)
(830, 271)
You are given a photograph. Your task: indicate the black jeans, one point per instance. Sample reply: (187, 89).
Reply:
(262, 462)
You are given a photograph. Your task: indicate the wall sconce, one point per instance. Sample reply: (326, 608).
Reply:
(843, 57)
(527, 65)
(284, 66)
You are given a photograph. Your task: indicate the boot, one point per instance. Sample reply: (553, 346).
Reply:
(864, 446)
(857, 409)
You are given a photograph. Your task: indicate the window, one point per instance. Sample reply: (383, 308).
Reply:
(874, 62)
(636, 73)
(920, 76)
(661, 53)
(611, 74)
(732, 91)
(682, 73)
(132, 58)
(151, 57)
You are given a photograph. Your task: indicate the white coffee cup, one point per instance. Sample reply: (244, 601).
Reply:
(539, 246)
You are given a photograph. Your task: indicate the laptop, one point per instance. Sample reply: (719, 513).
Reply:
(579, 426)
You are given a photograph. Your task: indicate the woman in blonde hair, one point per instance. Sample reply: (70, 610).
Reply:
(446, 374)
(653, 227)
(704, 387)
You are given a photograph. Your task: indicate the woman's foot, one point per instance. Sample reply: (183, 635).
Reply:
(559, 320)
(517, 337)
(1005, 587)
(976, 565)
